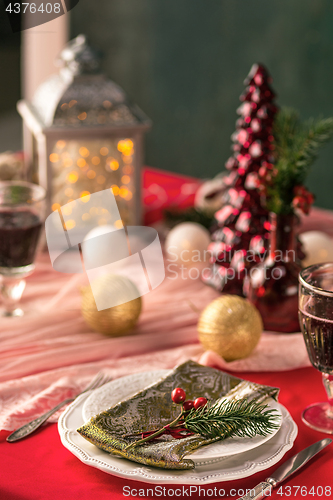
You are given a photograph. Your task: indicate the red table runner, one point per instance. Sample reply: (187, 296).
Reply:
(40, 468)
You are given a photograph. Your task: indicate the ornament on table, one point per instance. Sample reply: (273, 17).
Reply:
(241, 220)
(186, 244)
(208, 195)
(273, 284)
(83, 135)
(103, 250)
(118, 320)
(230, 326)
(318, 247)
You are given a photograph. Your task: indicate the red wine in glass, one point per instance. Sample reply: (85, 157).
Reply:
(316, 322)
(318, 336)
(19, 235)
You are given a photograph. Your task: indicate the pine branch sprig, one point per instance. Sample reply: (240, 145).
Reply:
(226, 418)
(297, 146)
(319, 132)
(223, 419)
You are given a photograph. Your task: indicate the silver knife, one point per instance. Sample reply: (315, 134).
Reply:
(289, 467)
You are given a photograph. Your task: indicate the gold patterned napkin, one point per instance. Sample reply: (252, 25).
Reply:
(152, 408)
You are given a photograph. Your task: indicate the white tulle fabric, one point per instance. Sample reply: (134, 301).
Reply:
(51, 354)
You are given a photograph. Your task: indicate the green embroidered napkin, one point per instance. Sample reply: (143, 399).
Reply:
(152, 408)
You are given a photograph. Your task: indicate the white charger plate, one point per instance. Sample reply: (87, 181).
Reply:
(205, 472)
(125, 387)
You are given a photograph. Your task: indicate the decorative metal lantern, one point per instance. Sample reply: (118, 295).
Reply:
(83, 135)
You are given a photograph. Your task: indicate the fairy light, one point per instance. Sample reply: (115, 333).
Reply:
(72, 103)
(84, 152)
(104, 151)
(102, 222)
(61, 144)
(107, 104)
(95, 160)
(82, 116)
(64, 106)
(114, 165)
(85, 216)
(125, 179)
(69, 192)
(69, 224)
(91, 174)
(55, 207)
(54, 157)
(72, 177)
(85, 196)
(118, 224)
(125, 146)
(129, 196)
(123, 191)
(81, 162)
(115, 189)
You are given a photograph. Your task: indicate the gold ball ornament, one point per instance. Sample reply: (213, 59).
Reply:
(119, 319)
(230, 326)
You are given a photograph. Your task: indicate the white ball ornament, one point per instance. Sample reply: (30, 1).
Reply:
(317, 246)
(187, 245)
(98, 231)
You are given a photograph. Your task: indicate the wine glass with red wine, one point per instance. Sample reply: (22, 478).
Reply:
(21, 217)
(316, 320)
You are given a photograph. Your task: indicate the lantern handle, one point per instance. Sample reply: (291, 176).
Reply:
(79, 57)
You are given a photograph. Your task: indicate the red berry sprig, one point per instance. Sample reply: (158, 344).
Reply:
(303, 199)
(188, 405)
(199, 403)
(178, 395)
(176, 428)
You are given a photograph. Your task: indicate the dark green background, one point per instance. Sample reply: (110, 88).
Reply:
(184, 62)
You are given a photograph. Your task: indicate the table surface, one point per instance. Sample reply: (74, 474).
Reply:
(40, 467)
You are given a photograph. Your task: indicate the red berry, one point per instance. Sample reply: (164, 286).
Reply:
(188, 405)
(178, 395)
(199, 403)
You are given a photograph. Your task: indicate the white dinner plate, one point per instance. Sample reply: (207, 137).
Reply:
(125, 387)
(206, 471)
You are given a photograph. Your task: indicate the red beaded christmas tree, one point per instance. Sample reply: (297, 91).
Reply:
(242, 235)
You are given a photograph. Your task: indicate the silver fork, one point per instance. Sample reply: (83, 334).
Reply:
(30, 427)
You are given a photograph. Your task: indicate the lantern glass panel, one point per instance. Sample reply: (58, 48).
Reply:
(82, 167)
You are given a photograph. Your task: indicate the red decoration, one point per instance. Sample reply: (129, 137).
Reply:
(188, 405)
(241, 221)
(273, 284)
(199, 403)
(178, 395)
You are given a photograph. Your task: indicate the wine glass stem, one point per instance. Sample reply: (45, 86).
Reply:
(328, 384)
(11, 291)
